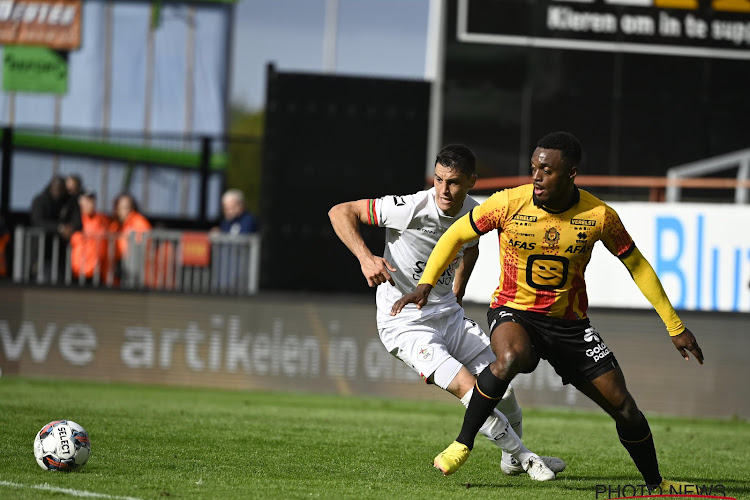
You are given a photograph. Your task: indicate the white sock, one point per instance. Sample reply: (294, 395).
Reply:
(497, 429)
(509, 407)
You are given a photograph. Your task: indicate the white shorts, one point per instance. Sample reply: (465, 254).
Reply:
(427, 344)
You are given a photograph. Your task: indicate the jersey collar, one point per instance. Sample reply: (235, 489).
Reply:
(575, 199)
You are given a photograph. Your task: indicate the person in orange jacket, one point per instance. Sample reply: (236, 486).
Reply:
(128, 219)
(89, 246)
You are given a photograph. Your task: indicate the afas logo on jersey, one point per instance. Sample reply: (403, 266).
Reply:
(522, 244)
(577, 249)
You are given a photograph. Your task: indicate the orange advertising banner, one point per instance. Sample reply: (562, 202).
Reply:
(50, 23)
(196, 249)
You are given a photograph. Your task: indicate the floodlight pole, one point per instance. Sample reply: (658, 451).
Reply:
(433, 72)
(330, 35)
(6, 165)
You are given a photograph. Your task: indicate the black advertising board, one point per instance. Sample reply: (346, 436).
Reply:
(720, 28)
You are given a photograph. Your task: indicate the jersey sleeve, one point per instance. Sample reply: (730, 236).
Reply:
(392, 211)
(491, 214)
(461, 232)
(650, 286)
(614, 235)
(472, 205)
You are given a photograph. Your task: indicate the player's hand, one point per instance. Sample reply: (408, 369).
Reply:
(418, 297)
(376, 269)
(686, 342)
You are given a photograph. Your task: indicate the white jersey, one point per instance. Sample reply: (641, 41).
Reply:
(414, 224)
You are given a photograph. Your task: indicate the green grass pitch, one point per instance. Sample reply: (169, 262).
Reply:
(152, 442)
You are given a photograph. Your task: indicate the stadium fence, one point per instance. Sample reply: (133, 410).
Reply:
(180, 261)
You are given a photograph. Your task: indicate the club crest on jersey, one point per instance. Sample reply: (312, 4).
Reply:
(425, 353)
(551, 236)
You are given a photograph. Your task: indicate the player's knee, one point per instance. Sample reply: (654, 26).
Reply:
(628, 412)
(508, 364)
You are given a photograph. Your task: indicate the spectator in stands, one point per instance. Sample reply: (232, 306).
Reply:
(70, 214)
(128, 219)
(90, 245)
(47, 213)
(237, 219)
(47, 207)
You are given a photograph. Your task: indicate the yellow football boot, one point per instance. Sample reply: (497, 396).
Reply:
(452, 458)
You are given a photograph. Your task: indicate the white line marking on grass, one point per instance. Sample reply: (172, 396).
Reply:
(69, 491)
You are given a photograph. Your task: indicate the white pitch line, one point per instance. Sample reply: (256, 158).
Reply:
(69, 491)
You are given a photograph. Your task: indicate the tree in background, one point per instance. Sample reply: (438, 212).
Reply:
(244, 166)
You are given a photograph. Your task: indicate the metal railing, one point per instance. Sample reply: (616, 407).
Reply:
(738, 159)
(182, 261)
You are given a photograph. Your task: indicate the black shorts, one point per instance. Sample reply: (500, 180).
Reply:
(573, 347)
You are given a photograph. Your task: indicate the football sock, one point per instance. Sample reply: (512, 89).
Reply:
(486, 395)
(509, 407)
(640, 444)
(498, 429)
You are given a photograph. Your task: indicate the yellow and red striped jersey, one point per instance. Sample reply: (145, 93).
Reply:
(543, 255)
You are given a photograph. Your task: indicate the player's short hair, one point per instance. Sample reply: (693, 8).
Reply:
(566, 143)
(459, 157)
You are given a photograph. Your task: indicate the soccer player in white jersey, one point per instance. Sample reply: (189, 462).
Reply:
(437, 341)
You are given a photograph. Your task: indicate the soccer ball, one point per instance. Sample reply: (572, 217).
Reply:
(62, 445)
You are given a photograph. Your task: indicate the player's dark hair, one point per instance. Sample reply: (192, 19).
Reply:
(566, 143)
(459, 157)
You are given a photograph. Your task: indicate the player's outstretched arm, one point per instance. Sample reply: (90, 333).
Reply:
(345, 219)
(648, 282)
(418, 297)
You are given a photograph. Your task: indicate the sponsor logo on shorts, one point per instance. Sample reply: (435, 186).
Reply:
(591, 335)
(425, 353)
(600, 350)
(502, 314)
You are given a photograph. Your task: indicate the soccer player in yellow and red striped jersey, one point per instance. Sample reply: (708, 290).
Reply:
(547, 230)
(437, 341)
